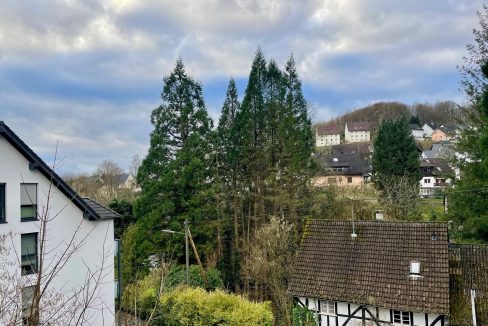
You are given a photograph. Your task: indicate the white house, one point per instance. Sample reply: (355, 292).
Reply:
(77, 242)
(357, 132)
(384, 273)
(428, 130)
(417, 131)
(437, 175)
(327, 136)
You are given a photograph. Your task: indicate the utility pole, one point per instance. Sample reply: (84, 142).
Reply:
(187, 253)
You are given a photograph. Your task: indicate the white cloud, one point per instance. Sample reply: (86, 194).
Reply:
(88, 73)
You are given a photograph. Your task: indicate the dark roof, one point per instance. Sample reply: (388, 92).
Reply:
(435, 167)
(35, 162)
(441, 149)
(374, 267)
(105, 213)
(357, 126)
(469, 270)
(349, 164)
(415, 127)
(328, 130)
(363, 148)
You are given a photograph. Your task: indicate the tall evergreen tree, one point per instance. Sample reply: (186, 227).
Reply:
(396, 168)
(175, 174)
(229, 174)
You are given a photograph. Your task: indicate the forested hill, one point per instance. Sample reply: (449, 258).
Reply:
(441, 113)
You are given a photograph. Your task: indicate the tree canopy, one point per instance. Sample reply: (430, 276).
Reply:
(468, 201)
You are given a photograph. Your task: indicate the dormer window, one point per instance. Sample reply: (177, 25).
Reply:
(414, 268)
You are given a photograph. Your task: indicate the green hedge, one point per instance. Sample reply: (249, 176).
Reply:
(182, 305)
(195, 306)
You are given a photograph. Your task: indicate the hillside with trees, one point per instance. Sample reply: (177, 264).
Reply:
(445, 113)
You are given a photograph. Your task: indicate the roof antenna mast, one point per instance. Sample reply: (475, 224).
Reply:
(353, 234)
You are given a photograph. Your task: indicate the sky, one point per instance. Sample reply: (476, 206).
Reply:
(84, 76)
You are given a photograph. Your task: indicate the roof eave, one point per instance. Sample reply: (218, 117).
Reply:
(36, 163)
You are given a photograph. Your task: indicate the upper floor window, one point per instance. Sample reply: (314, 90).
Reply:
(2, 203)
(401, 317)
(28, 201)
(327, 307)
(28, 249)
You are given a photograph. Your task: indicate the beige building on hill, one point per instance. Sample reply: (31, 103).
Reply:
(327, 136)
(357, 132)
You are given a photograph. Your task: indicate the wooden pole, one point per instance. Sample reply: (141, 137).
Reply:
(202, 271)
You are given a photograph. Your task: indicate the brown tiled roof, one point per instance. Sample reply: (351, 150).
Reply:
(374, 267)
(328, 130)
(469, 270)
(357, 126)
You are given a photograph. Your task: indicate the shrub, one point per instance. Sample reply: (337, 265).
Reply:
(195, 306)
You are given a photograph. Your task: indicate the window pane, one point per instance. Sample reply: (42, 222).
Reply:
(406, 317)
(331, 307)
(27, 212)
(396, 316)
(28, 194)
(28, 247)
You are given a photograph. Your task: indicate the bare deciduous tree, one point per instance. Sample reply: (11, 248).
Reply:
(33, 299)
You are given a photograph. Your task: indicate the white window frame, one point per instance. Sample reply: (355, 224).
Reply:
(328, 307)
(401, 317)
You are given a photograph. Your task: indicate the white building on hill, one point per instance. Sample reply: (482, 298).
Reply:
(327, 136)
(357, 132)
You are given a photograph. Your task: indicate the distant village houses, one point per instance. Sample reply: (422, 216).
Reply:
(417, 131)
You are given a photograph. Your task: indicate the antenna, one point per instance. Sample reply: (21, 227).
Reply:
(353, 234)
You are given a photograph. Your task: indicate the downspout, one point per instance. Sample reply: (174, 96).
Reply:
(473, 306)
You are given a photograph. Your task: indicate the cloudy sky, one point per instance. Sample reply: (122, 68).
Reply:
(87, 74)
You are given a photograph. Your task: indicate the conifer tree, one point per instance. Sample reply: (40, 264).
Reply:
(228, 147)
(396, 167)
(175, 174)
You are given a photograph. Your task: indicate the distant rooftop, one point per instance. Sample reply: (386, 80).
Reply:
(330, 129)
(357, 126)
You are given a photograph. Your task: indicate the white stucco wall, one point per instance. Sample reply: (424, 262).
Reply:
(356, 136)
(344, 310)
(327, 140)
(418, 134)
(99, 237)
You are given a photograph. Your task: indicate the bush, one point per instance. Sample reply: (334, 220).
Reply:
(188, 306)
(177, 276)
(193, 306)
(303, 317)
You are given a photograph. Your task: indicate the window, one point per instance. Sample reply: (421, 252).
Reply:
(327, 307)
(2, 203)
(415, 268)
(349, 179)
(401, 317)
(28, 248)
(28, 201)
(426, 180)
(331, 180)
(27, 294)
